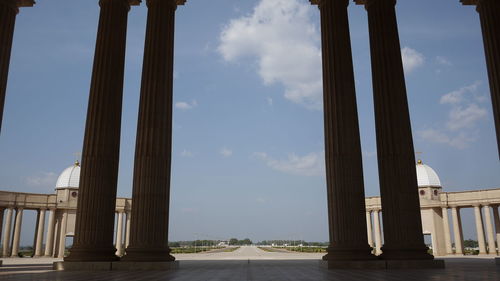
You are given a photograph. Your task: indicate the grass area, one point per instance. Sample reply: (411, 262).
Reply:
(192, 250)
(307, 249)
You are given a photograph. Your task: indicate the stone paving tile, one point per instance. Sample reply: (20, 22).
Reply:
(263, 270)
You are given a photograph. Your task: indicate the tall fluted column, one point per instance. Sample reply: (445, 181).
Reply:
(492, 249)
(369, 229)
(101, 147)
(151, 185)
(62, 235)
(489, 13)
(403, 238)
(8, 12)
(479, 229)
(17, 232)
(119, 235)
(447, 235)
(49, 241)
(378, 232)
(6, 236)
(127, 230)
(457, 231)
(344, 168)
(39, 234)
(2, 211)
(496, 217)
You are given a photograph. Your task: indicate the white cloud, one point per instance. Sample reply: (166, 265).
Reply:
(411, 59)
(226, 152)
(185, 105)
(43, 179)
(443, 61)
(458, 96)
(460, 128)
(269, 101)
(187, 153)
(281, 36)
(312, 164)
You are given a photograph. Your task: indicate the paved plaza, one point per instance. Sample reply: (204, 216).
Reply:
(250, 263)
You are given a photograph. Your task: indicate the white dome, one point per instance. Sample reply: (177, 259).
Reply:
(70, 177)
(426, 176)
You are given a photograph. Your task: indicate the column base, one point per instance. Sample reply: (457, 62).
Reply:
(114, 266)
(147, 255)
(91, 255)
(405, 254)
(348, 254)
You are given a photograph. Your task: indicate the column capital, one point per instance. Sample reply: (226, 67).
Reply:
(319, 2)
(370, 2)
(469, 2)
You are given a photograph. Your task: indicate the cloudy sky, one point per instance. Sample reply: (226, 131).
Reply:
(248, 131)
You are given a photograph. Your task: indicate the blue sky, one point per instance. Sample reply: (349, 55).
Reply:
(248, 129)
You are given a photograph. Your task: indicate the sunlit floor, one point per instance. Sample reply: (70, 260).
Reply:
(251, 263)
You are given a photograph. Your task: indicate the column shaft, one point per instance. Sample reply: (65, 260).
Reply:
(378, 232)
(7, 233)
(344, 168)
(151, 184)
(369, 229)
(39, 236)
(17, 232)
(480, 230)
(496, 217)
(50, 233)
(447, 235)
(62, 235)
(403, 238)
(2, 211)
(127, 230)
(94, 228)
(119, 235)
(457, 231)
(492, 249)
(489, 13)
(8, 11)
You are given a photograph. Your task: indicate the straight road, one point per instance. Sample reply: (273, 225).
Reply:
(250, 253)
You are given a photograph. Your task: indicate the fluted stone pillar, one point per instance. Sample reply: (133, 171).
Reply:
(151, 184)
(496, 217)
(62, 235)
(8, 12)
(447, 235)
(16, 239)
(39, 234)
(8, 230)
(457, 231)
(378, 232)
(403, 238)
(479, 229)
(119, 235)
(369, 229)
(95, 215)
(344, 169)
(489, 14)
(492, 249)
(127, 230)
(2, 211)
(49, 241)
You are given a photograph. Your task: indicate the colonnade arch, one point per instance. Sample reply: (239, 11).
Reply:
(149, 218)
